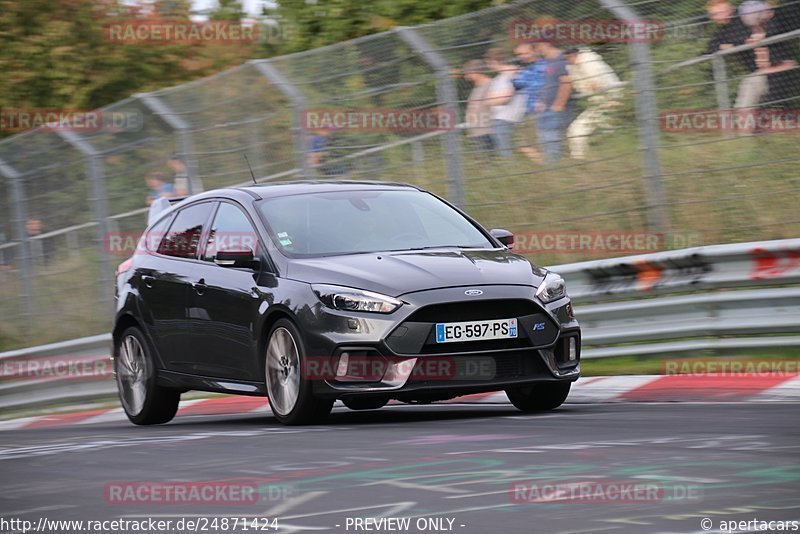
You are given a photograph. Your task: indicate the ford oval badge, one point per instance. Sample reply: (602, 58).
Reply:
(473, 292)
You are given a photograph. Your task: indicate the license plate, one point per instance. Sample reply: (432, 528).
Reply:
(476, 330)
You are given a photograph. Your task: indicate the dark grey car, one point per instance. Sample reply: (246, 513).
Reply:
(308, 292)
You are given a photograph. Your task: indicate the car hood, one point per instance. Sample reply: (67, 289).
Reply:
(397, 273)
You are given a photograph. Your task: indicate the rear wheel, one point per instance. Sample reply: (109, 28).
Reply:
(144, 401)
(365, 403)
(539, 397)
(290, 393)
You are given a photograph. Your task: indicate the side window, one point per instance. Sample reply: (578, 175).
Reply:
(231, 230)
(153, 238)
(184, 235)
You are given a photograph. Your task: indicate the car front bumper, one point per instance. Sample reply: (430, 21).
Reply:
(401, 359)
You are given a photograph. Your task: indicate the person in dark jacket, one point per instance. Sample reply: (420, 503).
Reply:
(730, 29)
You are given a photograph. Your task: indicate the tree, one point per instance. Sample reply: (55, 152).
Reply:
(314, 23)
(231, 10)
(56, 53)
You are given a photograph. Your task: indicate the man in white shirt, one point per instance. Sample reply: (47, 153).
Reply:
(595, 80)
(506, 106)
(478, 115)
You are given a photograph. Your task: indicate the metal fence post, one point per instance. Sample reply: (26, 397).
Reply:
(647, 119)
(721, 82)
(721, 87)
(256, 135)
(182, 130)
(99, 201)
(447, 94)
(299, 104)
(19, 207)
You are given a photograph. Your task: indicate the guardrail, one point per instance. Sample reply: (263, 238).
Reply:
(712, 298)
(41, 375)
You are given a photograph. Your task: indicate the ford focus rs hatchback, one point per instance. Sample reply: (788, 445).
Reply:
(309, 292)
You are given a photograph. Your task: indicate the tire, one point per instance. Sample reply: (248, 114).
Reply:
(365, 403)
(290, 393)
(144, 401)
(539, 397)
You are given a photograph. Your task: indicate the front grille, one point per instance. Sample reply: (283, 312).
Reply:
(416, 335)
(432, 347)
(461, 370)
(453, 312)
(509, 365)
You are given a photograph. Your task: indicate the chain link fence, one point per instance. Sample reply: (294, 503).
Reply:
(647, 154)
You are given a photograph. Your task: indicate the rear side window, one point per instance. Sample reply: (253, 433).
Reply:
(184, 235)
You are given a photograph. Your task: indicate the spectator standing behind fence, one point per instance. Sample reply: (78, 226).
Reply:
(507, 107)
(41, 249)
(762, 62)
(552, 102)
(478, 118)
(783, 86)
(787, 16)
(158, 186)
(180, 179)
(325, 152)
(593, 79)
(730, 30)
(527, 82)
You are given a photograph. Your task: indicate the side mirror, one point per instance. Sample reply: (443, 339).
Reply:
(237, 258)
(504, 236)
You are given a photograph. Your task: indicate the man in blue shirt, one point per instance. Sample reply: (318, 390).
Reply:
(528, 81)
(158, 187)
(552, 102)
(530, 77)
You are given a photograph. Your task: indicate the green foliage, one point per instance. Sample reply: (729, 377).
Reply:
(314, 23)
(228, 10)
(55, 54)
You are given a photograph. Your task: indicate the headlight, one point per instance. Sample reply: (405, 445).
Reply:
(349, 299)
(552, 288)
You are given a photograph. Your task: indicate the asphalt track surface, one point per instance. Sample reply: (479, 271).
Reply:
(725, 462)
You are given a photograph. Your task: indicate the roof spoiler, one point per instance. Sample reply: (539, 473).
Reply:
(160, 205)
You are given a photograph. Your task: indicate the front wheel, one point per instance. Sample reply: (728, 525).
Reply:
(539, 397)
(290, 393)
(144, 401)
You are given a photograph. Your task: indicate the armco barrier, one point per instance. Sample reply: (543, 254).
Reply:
(50, 385)
(714, 298)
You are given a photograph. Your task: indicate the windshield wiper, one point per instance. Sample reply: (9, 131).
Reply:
(437, 246)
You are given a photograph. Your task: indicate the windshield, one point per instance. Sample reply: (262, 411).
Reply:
(352, 222)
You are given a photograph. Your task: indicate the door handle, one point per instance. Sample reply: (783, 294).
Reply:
(148, 280)
(200, 286)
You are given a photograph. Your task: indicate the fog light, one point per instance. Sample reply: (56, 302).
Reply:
(341, 368)
(573, 349)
